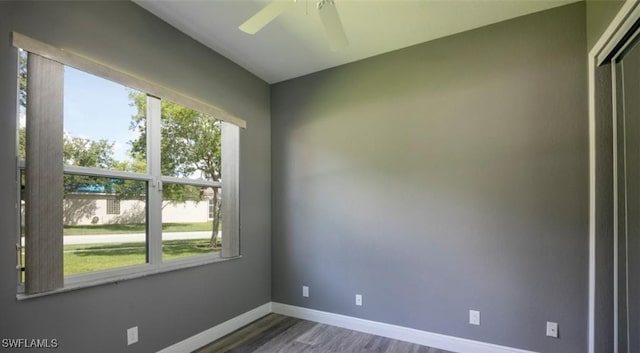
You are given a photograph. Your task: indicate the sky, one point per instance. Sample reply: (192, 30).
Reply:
(95, 108)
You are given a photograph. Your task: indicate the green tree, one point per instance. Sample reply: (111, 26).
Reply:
(87, 153)
(22, 100)
(22, 137)
(79, 152)
(190, 147)
(22, 78)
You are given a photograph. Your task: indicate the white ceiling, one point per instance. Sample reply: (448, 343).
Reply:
(295, 44)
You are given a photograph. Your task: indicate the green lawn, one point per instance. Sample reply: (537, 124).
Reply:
(96, 257)
(135, 228)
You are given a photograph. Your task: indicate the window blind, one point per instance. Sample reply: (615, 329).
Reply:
(44, 178)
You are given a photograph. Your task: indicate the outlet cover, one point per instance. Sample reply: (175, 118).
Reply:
(132, 335)
(305, 291)
(474, 317)
(359, 299)
(552, 329)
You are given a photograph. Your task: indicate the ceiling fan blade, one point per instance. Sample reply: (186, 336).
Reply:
(264, 16)
(332, 24)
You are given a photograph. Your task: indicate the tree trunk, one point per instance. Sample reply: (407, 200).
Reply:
(217, 203)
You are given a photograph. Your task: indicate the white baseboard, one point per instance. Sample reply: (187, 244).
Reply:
(205, 337)
(435, 340)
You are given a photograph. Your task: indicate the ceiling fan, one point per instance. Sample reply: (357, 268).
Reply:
(326, 9)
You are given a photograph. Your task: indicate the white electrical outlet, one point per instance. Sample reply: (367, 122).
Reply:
(359, 299)
(552, 329)
(474, 317)
(305, 291)
(132, 335)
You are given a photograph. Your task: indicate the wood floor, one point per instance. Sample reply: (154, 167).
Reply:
(281, 334)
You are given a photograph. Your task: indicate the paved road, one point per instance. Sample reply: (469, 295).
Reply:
(126, 238)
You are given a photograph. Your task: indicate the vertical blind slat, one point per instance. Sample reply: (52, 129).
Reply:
(230, 190)
(44, 176)
(154, 196)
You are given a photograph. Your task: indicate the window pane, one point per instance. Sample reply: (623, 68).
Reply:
(190, 145)
(187, 229)
(101, 123)
(97, 238)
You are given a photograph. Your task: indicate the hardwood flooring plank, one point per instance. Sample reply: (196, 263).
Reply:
(287, 338)
(281, 334)
(377, 344)
(247, 335)
(269, 337)
(313, 336)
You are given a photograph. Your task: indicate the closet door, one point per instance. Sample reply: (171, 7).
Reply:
(628, 116)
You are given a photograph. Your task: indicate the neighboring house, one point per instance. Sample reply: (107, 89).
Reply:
(85, 209)
(101, 208)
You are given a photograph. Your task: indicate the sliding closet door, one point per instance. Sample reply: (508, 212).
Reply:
(621, 244)
(628, 116)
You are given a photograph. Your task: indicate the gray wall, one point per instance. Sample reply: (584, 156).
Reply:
(448, 176)
(167, 307)
(599, 15)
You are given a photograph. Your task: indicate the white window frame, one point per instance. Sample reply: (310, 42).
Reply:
(230, 126)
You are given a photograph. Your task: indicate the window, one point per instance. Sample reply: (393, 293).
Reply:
(113, 206)
(211, 208)
(140, 178)
(190, 165)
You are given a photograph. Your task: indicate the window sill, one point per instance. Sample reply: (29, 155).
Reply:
(88, 280)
